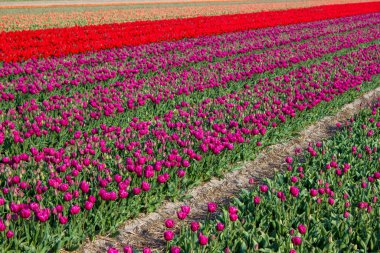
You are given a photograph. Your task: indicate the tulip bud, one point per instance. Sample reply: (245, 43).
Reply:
(212, 207)
(168, 235)
(302, 229)
(112, 250)
(147, 250)
(127, 249)
(202, 239)
(169, 223)
(9, 234)
(194, 226)
(175, 249)
(220, 226)
(296, 240)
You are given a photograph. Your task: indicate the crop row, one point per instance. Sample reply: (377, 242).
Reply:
(325, 201)
(52, 122)
(16, 19)
(47, 75)
(55, 197)
(23, 45)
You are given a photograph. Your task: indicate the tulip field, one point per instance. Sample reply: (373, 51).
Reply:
(327, 201)
(32, 18)
(102, 123)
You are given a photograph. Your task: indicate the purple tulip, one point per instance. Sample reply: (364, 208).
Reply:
(263, 188)
(313, 192)
(194, 226)
(112, 250)
(9, 234)
(147, 250)
(296, 240)
(202, 239)
(294, 191)
(175, 249)
(127, 249)
(302, 229)
(25, 213)
(212, 207)
(256, 200)
(219, 226)
(168, 235)
(169, 223)
(75, 209)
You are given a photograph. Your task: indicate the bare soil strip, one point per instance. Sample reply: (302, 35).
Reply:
(147, 230)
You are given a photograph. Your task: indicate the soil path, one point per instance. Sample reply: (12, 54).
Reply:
(147, 230)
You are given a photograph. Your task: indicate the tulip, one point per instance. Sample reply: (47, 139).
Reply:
(219, 226)
(127, 249)
(181, 215)
(9, 234)
(169, 223)
(175, 249)
(256, 200)
(168, 235)
(302, 229)
(88, 205)
(233, 217)
(63, 220)
(296, 240)
(147, 250)
(194, 226)
(289, 160)
(232, 209)
(145, 186)
(2, 226)
(263, 188)
(212, 207)
(313, 192)
(185, 209)
(25, 213)
(112, 250)
(75, 209)
(202, 239)
(294, 191)
(181, 173)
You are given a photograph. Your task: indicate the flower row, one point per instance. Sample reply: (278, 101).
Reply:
(57, 118)
(325, 201)
(110, 173)
(23, 45)
(64, 16)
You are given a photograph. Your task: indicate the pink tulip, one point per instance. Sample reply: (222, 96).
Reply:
(212, 207)
(256, 200)
(169, 223)
(202, 239)
(194, 226)
(9, 234)
(168, 235)
(294, 191)
(296, 240)
(302, 229)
